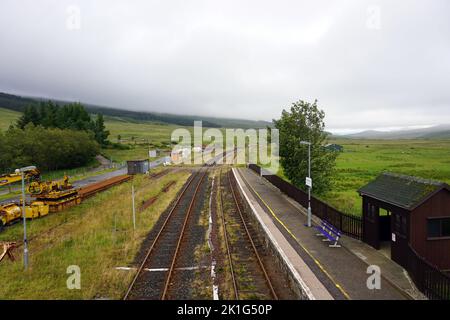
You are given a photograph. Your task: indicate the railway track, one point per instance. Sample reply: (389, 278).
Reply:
(249, 275)
(153, 277)
(158, 175)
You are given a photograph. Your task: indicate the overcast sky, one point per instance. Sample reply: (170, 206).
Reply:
(370, 64)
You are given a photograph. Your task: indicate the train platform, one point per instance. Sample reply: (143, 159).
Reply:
(330, 273)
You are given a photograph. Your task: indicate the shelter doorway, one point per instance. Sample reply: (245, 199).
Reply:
(377, 224)
(386, 228)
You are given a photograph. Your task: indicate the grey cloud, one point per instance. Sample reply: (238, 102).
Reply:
(244, 59)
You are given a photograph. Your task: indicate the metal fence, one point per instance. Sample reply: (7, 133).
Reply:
(432, 282)
(350, 225)
(255, 168)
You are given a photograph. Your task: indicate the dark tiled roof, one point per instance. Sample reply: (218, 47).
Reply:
(403, 191)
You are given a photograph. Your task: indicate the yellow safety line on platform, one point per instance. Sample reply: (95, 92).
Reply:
(317, 262)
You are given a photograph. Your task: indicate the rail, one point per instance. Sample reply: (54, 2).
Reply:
(161, 231)
(250, 239)
(185, 222)
(94, 188)
(225, 233)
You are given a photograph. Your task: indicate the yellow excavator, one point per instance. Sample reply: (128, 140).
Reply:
(48, 187)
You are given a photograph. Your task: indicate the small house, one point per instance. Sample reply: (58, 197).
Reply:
(334, 147)
(152, 153)
(415, 215)
(138, 166)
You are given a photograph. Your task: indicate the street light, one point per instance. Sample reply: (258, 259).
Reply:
(24, 216)
(308, 180)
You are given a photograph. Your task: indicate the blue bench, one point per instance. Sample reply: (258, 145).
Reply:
(330, 233)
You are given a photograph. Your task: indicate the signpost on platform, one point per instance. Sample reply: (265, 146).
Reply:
(308, 182)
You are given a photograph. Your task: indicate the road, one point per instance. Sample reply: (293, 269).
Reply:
(158, 162)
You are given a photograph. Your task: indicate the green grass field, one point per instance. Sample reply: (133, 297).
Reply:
(137, 135)
(363, 160)
(141, 131)
(7, 117)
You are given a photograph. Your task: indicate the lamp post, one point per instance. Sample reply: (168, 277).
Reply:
(308, 180)
(24, 216)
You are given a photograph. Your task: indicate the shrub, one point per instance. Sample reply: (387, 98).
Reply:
(48, 149)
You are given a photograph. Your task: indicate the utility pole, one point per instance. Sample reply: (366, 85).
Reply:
(134, 210)
(308, 181)
(148, 154)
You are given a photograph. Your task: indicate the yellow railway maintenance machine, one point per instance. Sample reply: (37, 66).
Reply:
(49, 196)
(58, 195)
(12, 212)
(31, 175)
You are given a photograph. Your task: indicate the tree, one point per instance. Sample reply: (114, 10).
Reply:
(305, 121)
(71, 116)
(49, 149)
(49, 114)
(100, 132)
(30, 115)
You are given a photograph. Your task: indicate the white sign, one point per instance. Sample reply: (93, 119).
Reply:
(393, 237)
(308, 182)
(152, 153)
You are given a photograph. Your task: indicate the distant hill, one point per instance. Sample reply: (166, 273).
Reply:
(435, 132)
(17, 103)
(438, 135)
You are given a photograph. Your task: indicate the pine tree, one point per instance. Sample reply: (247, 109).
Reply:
(101, 134)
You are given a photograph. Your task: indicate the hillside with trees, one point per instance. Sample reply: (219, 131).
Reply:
(71, 116)
(52, 137)
(19, 104)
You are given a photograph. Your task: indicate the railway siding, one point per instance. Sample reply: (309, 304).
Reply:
(247, 255)
(302, 281)
(153, 279)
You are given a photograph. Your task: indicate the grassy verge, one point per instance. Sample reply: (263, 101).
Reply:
(97, 236)
(13, 193)
(136, 152)
(76, 175)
